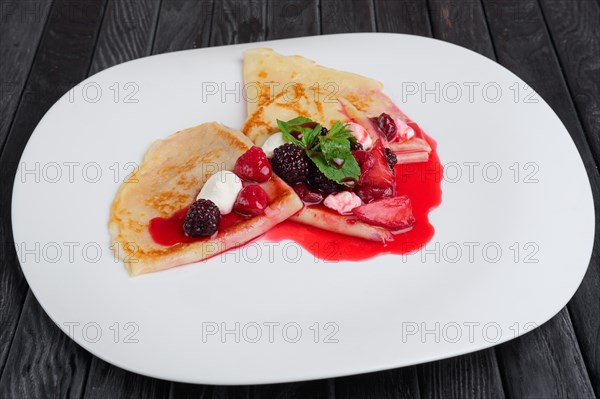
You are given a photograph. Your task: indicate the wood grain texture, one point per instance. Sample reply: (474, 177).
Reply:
(21, 27)
(461, 22)
(238, 22)
(561, 374)
(127, 32)
(319, 389)
(43, 361)
(523, 45)
(475, 375)
(108, 381)
(575, 29)
(62, 59)
(183, 24)
(340, 16)
(292, 18)
(410, 17)
(399, 383)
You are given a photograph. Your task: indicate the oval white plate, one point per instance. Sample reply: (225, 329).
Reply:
(513, 234)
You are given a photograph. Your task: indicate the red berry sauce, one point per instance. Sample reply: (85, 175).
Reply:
(420, 181)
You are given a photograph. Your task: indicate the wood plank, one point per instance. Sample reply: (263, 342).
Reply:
(462, 23)
(562, 374)
(475, 375)
(526, 49)
(108, 381)
(20, 32)
(236, 22)
(398, 383)
(43, 360)
(127, 32)
(411, 17)
(339, 16)
(183, 24)
(575, 29)
(292, 18)
(63, 58)
(21, 29)
(319, 389)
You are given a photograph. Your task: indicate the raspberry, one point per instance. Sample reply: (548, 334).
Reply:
(253, 165)
(320, 182)
(290, 163)
(391, 158)
(307, 195)
(252, 200)
(202, 219)
(386, 125)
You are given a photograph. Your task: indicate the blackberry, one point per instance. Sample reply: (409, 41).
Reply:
(318, 181)
(290, 163)
(324, 131)
(355, 146)
(202, 219)
(391, 158)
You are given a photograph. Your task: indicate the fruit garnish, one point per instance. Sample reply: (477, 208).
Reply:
(202, 219)
(392, 213)
(379, 175)
(386, 125)
(253, 165)
(318, 181)
(329, 149)
(369, 194)
(290, 163)
(391, 158)
(252, 200)
(308, 196)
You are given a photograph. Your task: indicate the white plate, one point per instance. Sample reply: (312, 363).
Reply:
(508, 252)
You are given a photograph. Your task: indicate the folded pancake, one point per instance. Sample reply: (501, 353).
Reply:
(298, 100)
(169, 178)
(273, 74)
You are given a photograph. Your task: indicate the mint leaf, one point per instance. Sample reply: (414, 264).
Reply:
(286, 131)
(349, 169)
(307, 135)
(332, 149)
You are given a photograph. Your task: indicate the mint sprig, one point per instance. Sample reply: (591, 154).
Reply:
(330, 153)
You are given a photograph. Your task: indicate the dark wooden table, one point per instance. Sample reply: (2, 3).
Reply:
(47, 47)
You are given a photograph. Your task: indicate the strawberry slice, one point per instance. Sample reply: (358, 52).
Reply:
(379, 175)
(392, 213)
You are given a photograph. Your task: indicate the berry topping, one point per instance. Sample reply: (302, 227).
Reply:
(253, 165)
(386, 125)
(290, 163)
(202, 219)
(392, 213)
(318, 181)
(391, 158)
(355, 146)
(343, 202)
(252, 200)
(379, 175)
(369, 194)
(307, 195)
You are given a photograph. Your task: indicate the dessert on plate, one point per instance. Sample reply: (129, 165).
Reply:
(317, 165)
